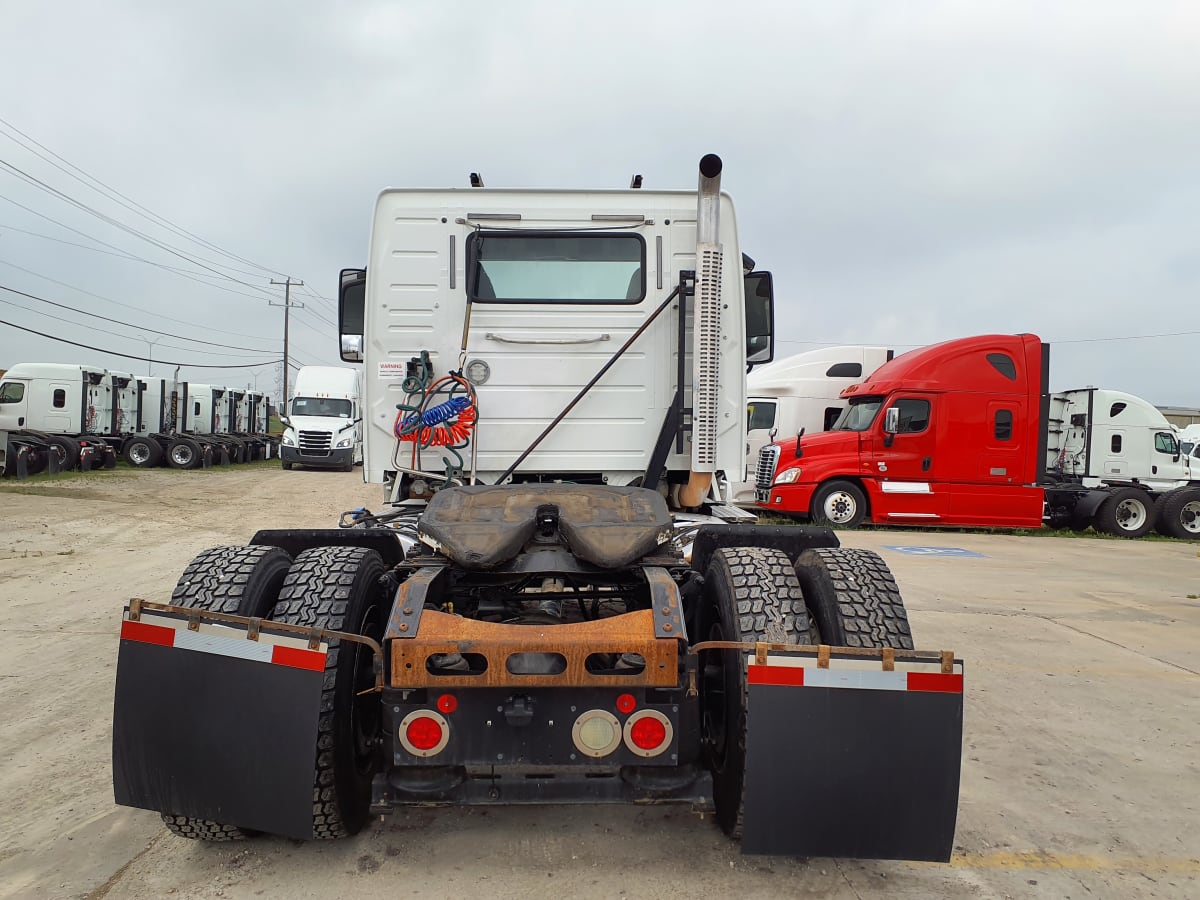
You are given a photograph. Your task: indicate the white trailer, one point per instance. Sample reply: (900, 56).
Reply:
(801, 393)
(67, 407)
(323, 426)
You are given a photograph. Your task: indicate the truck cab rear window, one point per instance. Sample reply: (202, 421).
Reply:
(553, 267)
(12, 392)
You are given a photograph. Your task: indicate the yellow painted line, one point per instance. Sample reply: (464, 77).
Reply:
(1075, 862)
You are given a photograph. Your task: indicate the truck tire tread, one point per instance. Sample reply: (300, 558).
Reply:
(767, 604)
(853, 598)
(236, 581)
(1108, 515)
(1170, 514)
(323, 589)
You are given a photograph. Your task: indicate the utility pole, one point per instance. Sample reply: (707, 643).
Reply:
(287, 305)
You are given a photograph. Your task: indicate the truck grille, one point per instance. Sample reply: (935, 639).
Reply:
(764, 475)
(315, 443)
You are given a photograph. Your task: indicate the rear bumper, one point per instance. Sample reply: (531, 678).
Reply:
(334, 459)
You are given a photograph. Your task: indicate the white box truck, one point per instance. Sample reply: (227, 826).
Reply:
(323, 428)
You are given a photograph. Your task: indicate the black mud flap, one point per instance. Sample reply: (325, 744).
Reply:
(210, 724)
(850, 760)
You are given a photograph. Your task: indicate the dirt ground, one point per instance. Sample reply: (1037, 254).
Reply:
(1081, 772)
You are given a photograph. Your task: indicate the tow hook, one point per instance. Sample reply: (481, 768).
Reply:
(519, 710)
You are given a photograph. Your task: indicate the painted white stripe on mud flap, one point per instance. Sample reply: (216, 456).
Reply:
(241, 648)
(862, 664)
(866, 681)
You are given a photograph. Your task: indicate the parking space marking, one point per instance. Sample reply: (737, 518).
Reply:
(936, 551)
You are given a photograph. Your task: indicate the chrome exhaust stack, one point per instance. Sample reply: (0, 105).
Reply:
(706, 340)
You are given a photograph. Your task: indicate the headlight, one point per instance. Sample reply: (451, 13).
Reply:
(289, 441)
(787, 476)
(345, 442)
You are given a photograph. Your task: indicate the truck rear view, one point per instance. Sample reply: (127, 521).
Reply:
(556, 605)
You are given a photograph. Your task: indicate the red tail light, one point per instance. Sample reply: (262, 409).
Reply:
(424, 733)
(648, 733)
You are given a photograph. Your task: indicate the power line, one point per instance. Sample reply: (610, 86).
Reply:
(129, 229)
(193, 276)
(128, 306)
(127, 337)
(119, 322)
(163, 362)
(198, 277)
(113, 194)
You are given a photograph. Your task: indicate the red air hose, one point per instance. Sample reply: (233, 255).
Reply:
(452, 432)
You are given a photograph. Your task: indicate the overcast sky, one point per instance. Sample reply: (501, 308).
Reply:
(910, 171)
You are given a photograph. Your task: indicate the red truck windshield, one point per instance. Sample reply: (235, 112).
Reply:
(859, 415)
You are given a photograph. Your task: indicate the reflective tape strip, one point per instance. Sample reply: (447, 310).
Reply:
(225, 641)
(804, 672)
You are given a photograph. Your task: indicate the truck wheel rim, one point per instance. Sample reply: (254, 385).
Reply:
(1189, 517)
(181, 455)
(138, 454)
(1131, 514)
(839, 508)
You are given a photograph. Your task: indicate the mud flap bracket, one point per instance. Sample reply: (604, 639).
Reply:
(853, 757)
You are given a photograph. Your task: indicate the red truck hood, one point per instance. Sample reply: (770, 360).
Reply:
(823, 444)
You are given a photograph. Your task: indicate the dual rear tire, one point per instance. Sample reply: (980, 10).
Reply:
(840, 596)
(333, 588)
(1179, 514)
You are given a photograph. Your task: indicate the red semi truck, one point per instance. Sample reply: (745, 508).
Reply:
(966, 433)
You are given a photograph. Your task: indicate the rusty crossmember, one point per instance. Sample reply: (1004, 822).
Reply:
(441, 633)
(255, 625)
(886, 655)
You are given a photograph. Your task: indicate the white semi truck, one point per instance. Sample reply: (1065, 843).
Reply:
(1112, 440)
(56, 410)
(323, 427)
(801, 393)
(557, 605)
(55, 416)
(1189, 442)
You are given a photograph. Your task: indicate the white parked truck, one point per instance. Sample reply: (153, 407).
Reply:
(1189, 443)
(65, 407)
(1111, 440)
(323, 426)
(547, 374)
(801, 394)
